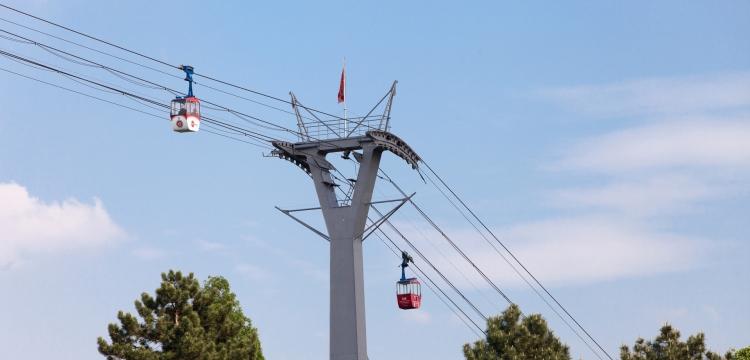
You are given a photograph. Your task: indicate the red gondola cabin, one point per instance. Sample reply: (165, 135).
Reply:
(409, 294)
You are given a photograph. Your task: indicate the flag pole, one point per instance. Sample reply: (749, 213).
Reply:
(346, 119)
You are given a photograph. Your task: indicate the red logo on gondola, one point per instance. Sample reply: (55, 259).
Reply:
(179, 123)
(192, 123)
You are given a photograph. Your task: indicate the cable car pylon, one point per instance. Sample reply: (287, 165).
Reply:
(345, 219)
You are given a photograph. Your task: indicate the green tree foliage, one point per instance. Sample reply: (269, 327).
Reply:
(185, 321)
(511, 337)
(667, 346)
(742, 354)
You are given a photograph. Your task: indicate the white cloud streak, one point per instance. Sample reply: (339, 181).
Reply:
(29, 226)
(690, 145)
(588, 249)
(564, 251)
(664, 194)
(713, 144)
(657, 96)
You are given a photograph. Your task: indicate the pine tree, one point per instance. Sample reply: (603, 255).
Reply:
(511, 338)
(742, 354)
(668, 346)
(184, 321)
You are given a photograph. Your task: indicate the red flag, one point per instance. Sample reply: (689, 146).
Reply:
(342, 85)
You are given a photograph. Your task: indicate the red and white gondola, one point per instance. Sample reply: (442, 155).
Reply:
(185, 112)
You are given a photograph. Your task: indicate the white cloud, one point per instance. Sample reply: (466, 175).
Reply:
(658, 96)
(654, 195)
(31, 226)
(690, 146)
(586, 249)
(687, 153)
(713, 144)
(560, 251)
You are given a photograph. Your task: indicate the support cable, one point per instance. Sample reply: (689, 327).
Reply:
(89, 36)
(142, 98)
(246, 132)
(80, 93)
(425, 276)
(468, 280)
(484, 296)
(426, 260)
(473, 214)
(144, 66)
(389, 179)
(246, 117)
(515, 268)
(118, 104)
(218, 132)
(83, 61)
(162, 62)
(89, 48)
(153, 85)
(28, 64)
(458, 249)
(455, 309)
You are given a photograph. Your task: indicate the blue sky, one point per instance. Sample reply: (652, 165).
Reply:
(607, 143)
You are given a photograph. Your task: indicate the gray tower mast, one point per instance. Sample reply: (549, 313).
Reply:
(345, 219)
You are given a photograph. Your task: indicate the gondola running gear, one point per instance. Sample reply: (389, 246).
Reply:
(408, 291)
(186, 110)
